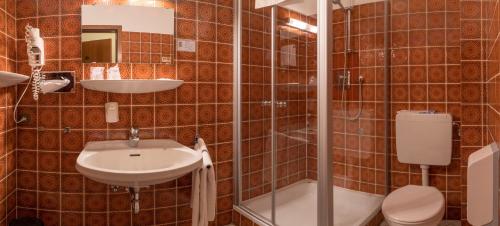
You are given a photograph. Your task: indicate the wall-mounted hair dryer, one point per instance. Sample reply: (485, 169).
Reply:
(36, 57)
(35, 46)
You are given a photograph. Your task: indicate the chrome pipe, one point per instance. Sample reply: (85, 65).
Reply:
(348, 18)
(237, 42)
(387, 106)
(274, 15)
(324, 112)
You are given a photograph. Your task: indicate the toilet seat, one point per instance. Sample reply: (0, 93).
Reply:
(413, 204)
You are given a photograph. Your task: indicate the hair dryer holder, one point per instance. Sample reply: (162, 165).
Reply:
(58, 82)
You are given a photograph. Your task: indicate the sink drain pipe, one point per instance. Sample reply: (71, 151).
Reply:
(134, 193)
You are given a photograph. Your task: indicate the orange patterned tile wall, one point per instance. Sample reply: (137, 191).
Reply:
(492, 70)
(7, 99)
(437, 63)
(426, 75)
(359, 142)
(48, 185)
(492, 78)
(472, 87)
(140, 47)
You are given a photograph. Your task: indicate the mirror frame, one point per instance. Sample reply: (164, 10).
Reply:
(117, 29)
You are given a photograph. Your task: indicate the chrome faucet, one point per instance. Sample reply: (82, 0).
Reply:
(133, 139)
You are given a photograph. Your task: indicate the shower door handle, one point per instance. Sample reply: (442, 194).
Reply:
(281, 104)
(266, 103)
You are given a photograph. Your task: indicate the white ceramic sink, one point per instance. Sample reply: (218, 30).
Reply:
(151, 162)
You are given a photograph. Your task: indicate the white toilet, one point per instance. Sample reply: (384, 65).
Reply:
(423, 138)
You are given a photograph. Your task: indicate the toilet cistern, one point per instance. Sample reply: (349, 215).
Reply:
(133, 139)
(424, 138)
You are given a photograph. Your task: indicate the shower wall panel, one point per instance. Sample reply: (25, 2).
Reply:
(359, 150)
(291, 81)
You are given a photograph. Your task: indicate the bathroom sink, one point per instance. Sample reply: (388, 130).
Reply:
(151, 162)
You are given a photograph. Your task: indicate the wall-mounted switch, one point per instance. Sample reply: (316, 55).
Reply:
(186, 45)
(166, 59)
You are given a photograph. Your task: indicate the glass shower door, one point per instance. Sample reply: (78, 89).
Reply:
(359, 111)
(295, 109)
(313, 121)
(255, 154)
(278, 89)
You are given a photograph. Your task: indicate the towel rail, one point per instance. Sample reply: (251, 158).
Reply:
(196, 141)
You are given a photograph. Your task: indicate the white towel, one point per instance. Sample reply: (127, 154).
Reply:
(204, 190)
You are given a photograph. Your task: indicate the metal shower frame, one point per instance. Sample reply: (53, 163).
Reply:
(324, 132)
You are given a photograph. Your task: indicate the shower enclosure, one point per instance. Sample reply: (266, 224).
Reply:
(293, 122)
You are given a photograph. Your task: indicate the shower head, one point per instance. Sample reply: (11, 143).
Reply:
(339, 3)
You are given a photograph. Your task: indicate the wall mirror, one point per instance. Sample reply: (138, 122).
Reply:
(128, 33)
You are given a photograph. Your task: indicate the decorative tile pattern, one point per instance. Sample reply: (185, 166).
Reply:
(146, 48)
(8, 161)
(473, 54)
(444, 56)
(426, 75)
(48, 185)
(359, 144)
(493, 68)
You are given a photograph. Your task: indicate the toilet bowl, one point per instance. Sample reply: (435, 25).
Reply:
(414, 205)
